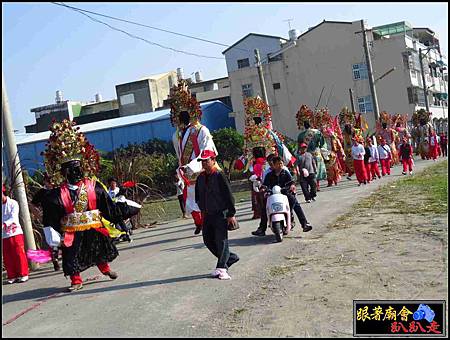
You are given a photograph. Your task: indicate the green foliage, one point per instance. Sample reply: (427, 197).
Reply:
(229, 144)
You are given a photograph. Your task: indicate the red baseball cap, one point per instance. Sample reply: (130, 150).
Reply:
(303, 145)
(3, 189)
(206, 154)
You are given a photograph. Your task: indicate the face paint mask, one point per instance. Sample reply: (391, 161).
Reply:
(184, 118)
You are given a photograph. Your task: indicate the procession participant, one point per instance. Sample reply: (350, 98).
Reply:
(443, 144)
(385, 131)
(307, 173)
(13, 248)
(373, 160)
(335, 151)
(406, 156)
(347, 121)
(422, 130)
(313, 138)
(189, 140)
(433, 145)
(79, 206)
(384, 152)
(358, 153)
(401, 127)
(213, 196)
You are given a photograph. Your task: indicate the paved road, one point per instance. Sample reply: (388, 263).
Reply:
(164, 288)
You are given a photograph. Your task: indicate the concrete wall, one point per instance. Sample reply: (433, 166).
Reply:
(142, 97)
(160, 89)
(99, 107)
(266, 45)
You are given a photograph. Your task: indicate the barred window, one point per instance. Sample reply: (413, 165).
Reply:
(247, 90)
(360, 71)
(365, 104)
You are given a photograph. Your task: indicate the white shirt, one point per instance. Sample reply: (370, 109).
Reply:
(384, 151)
(358, 152)
(10, 218)
(113, 193)
(374, 155)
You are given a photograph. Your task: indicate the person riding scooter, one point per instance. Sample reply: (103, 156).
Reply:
(282, 178)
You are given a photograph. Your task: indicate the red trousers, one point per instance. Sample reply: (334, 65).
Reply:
(360, 170)
(76, 278)
(374, 169)
(433, 153)
(368, 173)
(385, 166)
(407, 163)
(14, 257)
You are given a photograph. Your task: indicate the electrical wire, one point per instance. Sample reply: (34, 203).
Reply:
(142, 25)
(145, 40)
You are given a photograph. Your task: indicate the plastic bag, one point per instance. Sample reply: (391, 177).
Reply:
(52, 237)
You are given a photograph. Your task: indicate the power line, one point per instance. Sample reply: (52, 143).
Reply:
(137, 37)
(142, 25)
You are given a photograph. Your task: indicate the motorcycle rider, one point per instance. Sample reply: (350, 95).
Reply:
(282, 178)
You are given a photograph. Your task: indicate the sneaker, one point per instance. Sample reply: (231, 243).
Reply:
(223, 274)
(259, 232)
(313, 199)
(75, 287)
(410, 172)
(112, 275)
(11, 281)
(403, 173)
(307, 227)
(23, 279)
(215, 273)
(349, 178)
(308, 201)
(197, 230)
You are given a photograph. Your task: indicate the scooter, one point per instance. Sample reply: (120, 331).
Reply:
(277, 209)
(278, 212)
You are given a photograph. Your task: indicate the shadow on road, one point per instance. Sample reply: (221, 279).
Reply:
(34, 294)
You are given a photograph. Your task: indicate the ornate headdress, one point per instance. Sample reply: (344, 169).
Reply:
(421, 115)
(322, 120)
(259, 133)
(304, 114)
(67, 143)
(385, 117)
(180, 99)
(346, 117)
(400, 118)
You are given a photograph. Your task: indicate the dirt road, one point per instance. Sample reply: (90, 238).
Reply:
(301, 287)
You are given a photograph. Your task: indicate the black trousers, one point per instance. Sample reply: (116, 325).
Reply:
(182, 205)
(444, 149)
(293, 204)
(309, 186)
(215, 237)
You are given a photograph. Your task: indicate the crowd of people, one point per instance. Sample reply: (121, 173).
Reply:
(89, 218)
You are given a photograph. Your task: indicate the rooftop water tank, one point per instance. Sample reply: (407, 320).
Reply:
(293, 34)
(59, 97)
(180, 74)
(198, 77)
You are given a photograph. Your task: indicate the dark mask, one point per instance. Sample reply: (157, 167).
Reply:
(73, 172)
(348, 129)
(384, 125)
(306, 125)
(257, 120)
(184, 118)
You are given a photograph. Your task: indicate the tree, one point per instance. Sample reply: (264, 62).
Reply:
(229, 144)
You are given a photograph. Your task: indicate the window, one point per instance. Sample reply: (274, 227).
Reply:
(360, 71)
(416, 96)
(127, 99)
(243, 63)
(276, 86)
(247, 90)
(365, 104)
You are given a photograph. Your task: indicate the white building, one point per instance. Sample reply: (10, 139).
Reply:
(327, 61)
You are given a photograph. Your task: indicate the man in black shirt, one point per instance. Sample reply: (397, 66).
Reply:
(216, 202)
(282, 178)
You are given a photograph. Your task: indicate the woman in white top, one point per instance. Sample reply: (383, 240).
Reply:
(358, 153)
(14, 257)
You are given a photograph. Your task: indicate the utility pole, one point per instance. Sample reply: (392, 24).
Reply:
(425, 90)
(261, 76)
(351, 100)
(370, 71)
(13, 159)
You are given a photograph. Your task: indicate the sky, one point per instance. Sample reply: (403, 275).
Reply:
(48, 47)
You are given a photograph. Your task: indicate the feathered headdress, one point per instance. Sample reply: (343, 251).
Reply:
(180, 99)
(322, 120)
(400, 118)
(67, 143)
(346, 117)
(421, 115)
(304, 114)
(385, 117)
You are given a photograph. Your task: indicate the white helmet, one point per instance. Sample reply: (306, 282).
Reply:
(276, 189)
